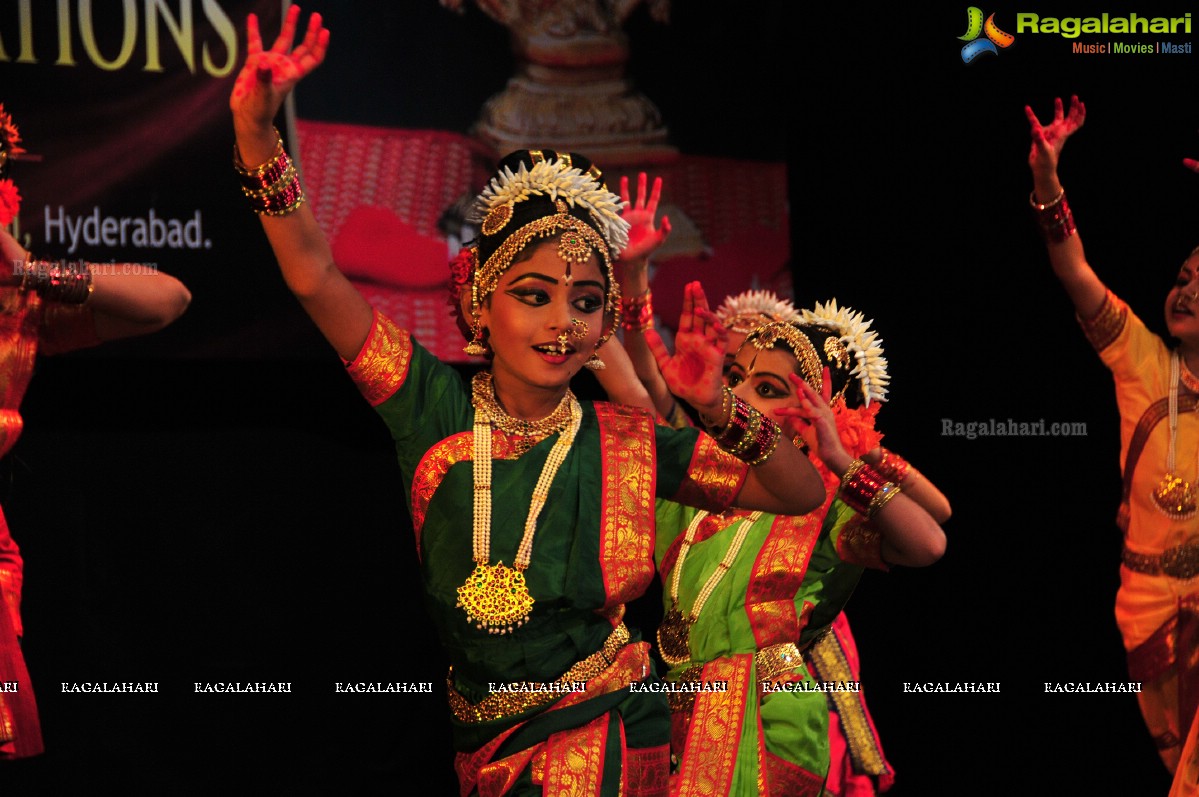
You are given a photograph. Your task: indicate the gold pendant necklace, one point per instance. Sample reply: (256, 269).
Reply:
(674, 632)
(495, 597)
(528, 433)
(1173, 496)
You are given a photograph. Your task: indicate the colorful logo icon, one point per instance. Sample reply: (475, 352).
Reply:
(975, 27)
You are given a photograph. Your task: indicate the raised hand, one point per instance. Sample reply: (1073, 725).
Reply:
(814, 421)
(1048, 140)
(694, 372)
(644, 237)
(268, 75)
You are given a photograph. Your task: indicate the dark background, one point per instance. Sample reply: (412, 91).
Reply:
(220, 505)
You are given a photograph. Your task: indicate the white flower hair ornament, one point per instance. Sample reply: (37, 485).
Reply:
(556, 179)
(870, 366)
(746, 311)
(536, 195)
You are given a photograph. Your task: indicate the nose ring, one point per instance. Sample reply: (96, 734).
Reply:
(578, 328)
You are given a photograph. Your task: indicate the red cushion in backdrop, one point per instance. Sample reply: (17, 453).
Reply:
(377, 245)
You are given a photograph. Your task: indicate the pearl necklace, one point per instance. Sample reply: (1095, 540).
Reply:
(495, 597)
(674, 633)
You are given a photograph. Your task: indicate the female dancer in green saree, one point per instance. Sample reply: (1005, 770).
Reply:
(749, 595)
(533, 510)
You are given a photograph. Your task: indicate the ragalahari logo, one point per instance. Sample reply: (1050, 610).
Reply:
(975, 27)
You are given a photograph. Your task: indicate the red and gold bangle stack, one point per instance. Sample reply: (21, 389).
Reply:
(69, 282)
(892, 467)
(1054, 217)
(865, 490)
(637, 312)
(748, 434)
(274, 187)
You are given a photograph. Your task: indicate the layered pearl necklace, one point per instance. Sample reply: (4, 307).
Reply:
(674, 633)
(495, 597)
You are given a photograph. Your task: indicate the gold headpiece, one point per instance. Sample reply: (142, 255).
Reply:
(540, 199)
(578, 240)
(765, 336)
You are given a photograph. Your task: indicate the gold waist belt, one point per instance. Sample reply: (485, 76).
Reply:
(1181, 561)
(516, 698)
(769, 663)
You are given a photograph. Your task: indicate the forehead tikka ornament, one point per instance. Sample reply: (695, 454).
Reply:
(576, 243)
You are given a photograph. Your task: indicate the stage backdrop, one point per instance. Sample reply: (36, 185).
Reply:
(215, 503)
(219, 505)
(123, 108)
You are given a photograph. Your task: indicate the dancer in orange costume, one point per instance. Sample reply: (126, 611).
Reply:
(48, 307)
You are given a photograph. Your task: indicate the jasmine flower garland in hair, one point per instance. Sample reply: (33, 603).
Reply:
(556, 180)
(870, 367)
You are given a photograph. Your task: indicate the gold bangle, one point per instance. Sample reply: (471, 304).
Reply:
(1037, 206)
(852, 470)
(257, 172)
(881, 497)
(726, 408)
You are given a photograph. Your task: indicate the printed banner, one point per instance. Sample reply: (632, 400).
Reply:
(123, 111)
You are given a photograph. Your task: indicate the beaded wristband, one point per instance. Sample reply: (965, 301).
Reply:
(752, 428)
(66, 282)
(748, 434)
(737, 423)
(853, 469)
(637, 312)
(726, 408)
(266, 189)
(273, 188)
(1054, 217)
(884, 494)
(769, 434)
(281, 202)
(864, 490)
(892, 466)
(263, 174)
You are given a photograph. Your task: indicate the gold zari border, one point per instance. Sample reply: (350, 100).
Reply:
(1105, 327)
(382, 365)
(714, 477)
(830, 664)
(769, 663)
